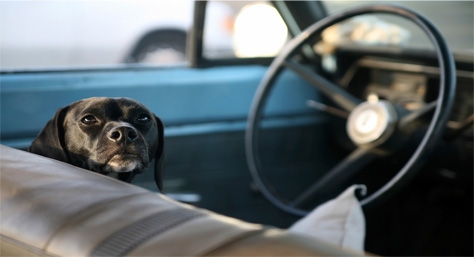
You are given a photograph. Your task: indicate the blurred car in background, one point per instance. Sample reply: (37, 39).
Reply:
(81, 32)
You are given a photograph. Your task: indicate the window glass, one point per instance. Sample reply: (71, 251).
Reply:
(74, 33)
(454, 19)
(242, 29)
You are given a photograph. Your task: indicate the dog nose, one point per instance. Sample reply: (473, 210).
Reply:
(123, 133)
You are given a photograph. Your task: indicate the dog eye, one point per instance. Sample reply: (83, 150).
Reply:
(143, 118)
(89, 119)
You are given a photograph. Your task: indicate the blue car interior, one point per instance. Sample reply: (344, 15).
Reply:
(205, 106)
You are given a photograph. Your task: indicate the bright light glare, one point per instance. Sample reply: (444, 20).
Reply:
(259, 31)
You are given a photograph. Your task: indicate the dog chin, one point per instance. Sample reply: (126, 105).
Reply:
(124, 163)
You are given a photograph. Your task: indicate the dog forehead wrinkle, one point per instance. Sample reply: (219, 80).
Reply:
(107, 109)
(129, 106)
(113, 109)
(123, 108)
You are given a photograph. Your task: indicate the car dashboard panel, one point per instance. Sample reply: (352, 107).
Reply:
(412, 82)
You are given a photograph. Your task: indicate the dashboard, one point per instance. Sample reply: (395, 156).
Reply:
(413, 82)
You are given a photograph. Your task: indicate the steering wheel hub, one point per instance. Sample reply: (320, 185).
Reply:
(371, 123)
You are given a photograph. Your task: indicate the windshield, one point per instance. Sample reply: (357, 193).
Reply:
(454, 19)
(48, 34)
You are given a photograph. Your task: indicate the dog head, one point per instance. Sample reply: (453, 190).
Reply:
(112, 136)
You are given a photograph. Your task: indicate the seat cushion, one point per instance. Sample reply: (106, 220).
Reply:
(53, 208)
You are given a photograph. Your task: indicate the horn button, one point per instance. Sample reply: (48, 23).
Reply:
(371, 123)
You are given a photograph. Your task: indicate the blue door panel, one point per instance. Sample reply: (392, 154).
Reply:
(187, 100)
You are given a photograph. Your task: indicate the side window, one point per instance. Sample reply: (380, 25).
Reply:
(47, 34)
(242, 29)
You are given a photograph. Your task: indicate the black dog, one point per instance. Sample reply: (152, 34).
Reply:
(118, 137)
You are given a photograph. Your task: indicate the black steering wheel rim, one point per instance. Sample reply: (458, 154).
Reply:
(435, 128)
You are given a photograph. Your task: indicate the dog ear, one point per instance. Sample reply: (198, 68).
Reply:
(160, 155)
(50, 141)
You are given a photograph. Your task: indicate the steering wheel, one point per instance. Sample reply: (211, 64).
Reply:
(373, 126)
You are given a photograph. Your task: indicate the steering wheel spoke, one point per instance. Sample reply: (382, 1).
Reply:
(328, 109)
(411, 117)
(341, 97)
(343, 171)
